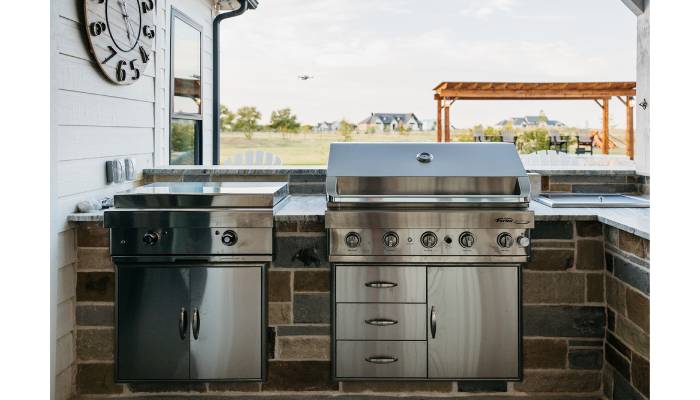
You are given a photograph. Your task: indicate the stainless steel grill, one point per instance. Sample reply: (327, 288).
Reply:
(191, 261)
(440, 230)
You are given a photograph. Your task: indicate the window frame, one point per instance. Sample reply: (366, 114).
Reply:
(198, 118)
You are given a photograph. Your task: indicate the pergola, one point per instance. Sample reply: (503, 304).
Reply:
(447, 93)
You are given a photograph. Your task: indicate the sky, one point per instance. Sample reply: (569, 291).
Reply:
(387, 55)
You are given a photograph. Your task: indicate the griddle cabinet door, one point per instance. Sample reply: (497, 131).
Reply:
(473, 325)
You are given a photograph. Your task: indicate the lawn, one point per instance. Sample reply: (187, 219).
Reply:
(312, 148)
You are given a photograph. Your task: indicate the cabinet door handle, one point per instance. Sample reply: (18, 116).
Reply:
(381, 284)
(381, 321)
(195, 323)
(433, 321)
(182, 323)
(381, 359)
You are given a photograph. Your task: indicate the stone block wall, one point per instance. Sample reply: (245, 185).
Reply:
(631, 184)
(627, 286)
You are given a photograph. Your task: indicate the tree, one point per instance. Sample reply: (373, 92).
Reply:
(345, 129)
(226, 118)
(247, 121)
(284, 121)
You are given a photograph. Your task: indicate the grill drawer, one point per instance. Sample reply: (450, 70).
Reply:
(379, 321)
(379, 359)
(380, 284)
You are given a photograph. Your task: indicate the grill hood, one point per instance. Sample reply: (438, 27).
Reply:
(425, 174)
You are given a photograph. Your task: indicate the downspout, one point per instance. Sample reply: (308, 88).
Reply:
(244, 6)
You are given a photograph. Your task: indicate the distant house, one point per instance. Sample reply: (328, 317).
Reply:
(531, 121)
(326, 126)
(385, 122)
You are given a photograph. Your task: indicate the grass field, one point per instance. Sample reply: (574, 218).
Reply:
(312, 148)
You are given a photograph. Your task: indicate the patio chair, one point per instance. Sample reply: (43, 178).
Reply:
(584, 143)
(558, 142)
(254, 157)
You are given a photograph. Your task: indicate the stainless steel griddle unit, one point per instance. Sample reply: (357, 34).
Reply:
(191, 261)
(426, 243)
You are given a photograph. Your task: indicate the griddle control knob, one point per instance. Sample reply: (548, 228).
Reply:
(352, 240)
(391, 239)
(523, 241)
(504, 240)
(150, 238)
(229, 238)
(428, 240)
(466, 239)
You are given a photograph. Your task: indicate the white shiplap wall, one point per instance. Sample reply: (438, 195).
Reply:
(94, 121)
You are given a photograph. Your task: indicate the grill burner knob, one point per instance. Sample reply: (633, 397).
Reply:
(150, 238)
(229, 238)
(466, 239)
(391, 239)
(523, 241)
(428, 240)
(352, 239)
(505, 240)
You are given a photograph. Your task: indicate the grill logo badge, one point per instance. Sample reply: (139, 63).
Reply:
(506, 220)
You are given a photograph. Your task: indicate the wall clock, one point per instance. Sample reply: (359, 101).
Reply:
(121, 35)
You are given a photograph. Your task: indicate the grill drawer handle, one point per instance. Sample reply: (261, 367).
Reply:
(182, 323)
(381, 321)
(433, 321)
(195, 323)
(381, 284)
(381, 359)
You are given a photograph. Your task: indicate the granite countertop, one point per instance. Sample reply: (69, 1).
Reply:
(313, 207)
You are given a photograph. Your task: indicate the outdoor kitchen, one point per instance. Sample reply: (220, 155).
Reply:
(461, 266)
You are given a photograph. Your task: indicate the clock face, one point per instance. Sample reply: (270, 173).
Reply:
(121, 35)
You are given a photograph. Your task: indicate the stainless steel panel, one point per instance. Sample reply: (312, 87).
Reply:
(562, 200)
(228, 302)
(149, 306)
(190, 241)
(203, 195)
(380, 321)
(188, 218)
(379, 359)
(363, 284)
(475, 310)
(445, 219)
(175, 260)
(429, 259)
(426, 185)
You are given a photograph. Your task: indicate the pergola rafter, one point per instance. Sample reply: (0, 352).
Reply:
(446, 93)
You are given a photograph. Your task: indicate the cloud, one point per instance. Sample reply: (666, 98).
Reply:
(483, 9)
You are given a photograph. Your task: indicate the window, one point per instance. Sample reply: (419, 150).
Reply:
(186, 90)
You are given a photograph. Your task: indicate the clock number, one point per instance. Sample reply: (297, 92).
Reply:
(137, 73)
(99, 1)
(121, 73)
(144, 55)
(114, 53)
(96, 28)
(148, 32)
(147, 6)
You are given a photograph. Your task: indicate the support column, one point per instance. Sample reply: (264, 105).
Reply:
(447, 123)
(606, 126)
(439, 120)
(630, 127)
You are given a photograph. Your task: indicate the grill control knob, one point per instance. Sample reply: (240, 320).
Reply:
(466, 239)
(150, 238)
(428, 240)
(352, 239)
(391, 239)
(523, 241)
(505, 240)
(229, 238)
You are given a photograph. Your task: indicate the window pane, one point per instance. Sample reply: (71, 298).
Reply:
(187, 91)
(184, 142)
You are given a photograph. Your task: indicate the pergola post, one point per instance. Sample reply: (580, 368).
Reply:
(439, 119)
(606, 125)
(447, 122)
(630, 127)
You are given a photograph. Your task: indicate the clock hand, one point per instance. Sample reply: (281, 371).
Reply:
(127, 22)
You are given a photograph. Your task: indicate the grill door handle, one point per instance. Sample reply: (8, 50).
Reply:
(195, 323)
(433, 321)
(381, 359)
(381, 321)
(381, 284)
(182, 323)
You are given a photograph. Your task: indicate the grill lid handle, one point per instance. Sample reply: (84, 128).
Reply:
(424, 157)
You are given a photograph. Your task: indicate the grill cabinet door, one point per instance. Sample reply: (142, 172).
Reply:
(227, 301)
(151, 305)
(473, 312)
